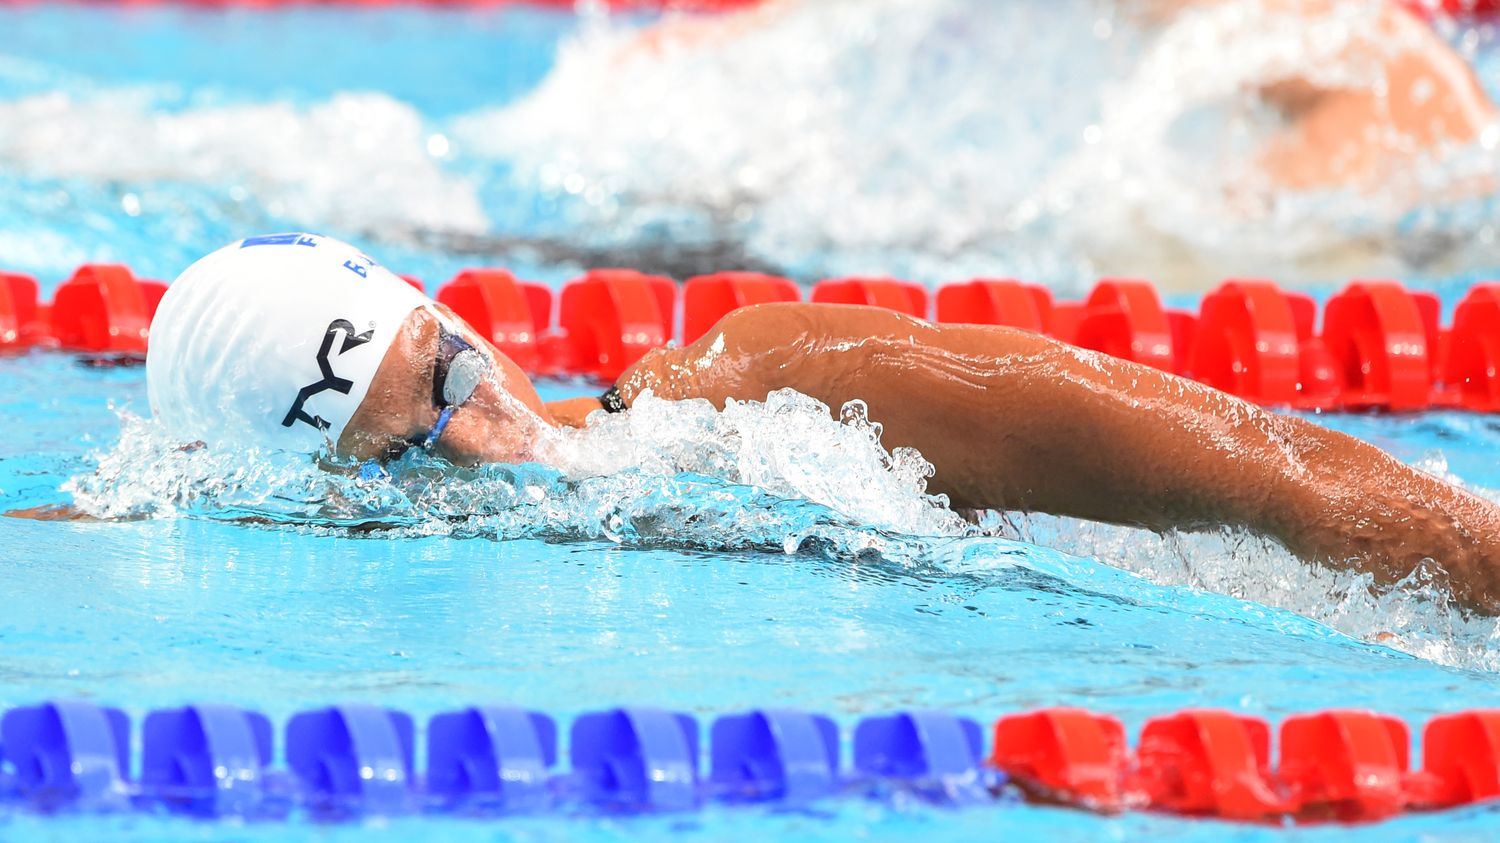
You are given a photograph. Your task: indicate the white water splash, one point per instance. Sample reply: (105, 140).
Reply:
(1416, 616)
(359, 162)
(778, 475)
(869, 133)
(788, 447)
(757, 474)
(1054, 140)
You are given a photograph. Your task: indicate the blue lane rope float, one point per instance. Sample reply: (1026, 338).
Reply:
(344, 760)
(492, 755)
(779, 754)
(351, 760)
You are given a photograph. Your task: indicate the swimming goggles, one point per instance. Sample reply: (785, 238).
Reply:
(457, 371)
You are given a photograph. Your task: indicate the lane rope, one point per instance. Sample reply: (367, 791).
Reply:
(1376, 344)
(354, 760)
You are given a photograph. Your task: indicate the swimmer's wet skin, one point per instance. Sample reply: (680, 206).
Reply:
(301, 342)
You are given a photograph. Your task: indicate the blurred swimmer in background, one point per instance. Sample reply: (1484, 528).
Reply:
(1366, 85)
(1372, 88)
(302, 343)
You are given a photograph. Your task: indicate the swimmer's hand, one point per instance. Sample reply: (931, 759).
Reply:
(573, 412)
(51, 512)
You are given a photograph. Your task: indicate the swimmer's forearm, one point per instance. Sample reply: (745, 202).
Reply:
(1173, 454)
(1346, 502)
(1328, 497)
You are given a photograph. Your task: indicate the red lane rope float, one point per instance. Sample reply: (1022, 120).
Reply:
(1385, 339)
(1124, 318)
(1256, 341)
(21, 323)
(1345, 765)
(1381, 346)
(511, 314)
(707, 298)
(612, 317)
(900, 296)
(997, 301)
(1065, 755)
(1250, 342)
(1471, 369)
(103, 307)
(1208, 763)
(1460, 759)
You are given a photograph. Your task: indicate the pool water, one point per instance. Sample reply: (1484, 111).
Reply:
(692, 560)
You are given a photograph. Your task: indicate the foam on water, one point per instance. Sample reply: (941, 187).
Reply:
(782, 475)
(359, 162)
(756, 474)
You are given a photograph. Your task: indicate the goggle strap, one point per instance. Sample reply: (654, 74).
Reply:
(437, 429)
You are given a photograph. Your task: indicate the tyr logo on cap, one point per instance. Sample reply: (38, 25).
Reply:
(329, 379)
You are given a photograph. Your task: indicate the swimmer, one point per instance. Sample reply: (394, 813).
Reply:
(302, 343)
(1378, 88)
(1362, 88)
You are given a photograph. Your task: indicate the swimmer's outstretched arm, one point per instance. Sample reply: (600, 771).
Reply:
(1013, 420)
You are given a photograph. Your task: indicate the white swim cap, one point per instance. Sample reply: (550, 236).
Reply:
(273, 341)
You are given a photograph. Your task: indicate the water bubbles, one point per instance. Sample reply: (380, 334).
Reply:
(1423, 90)
(1489, 139)
(1416, 615)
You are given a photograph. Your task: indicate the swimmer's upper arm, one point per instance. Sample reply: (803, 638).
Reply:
(730, 360)
(759, 326)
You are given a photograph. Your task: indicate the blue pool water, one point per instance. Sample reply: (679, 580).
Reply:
(699, 562)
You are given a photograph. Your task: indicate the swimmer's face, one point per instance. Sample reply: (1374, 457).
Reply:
(500, 422)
